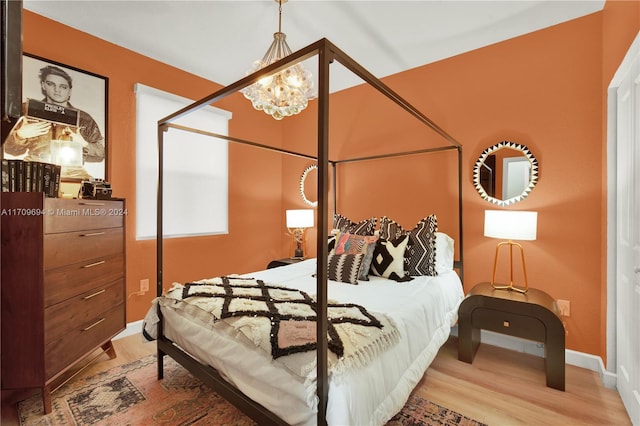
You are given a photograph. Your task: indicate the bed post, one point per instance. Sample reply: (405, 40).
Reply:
(159, 242)
(460, 221)
(323, 222)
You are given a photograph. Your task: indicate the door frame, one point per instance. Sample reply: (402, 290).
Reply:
(609, 375)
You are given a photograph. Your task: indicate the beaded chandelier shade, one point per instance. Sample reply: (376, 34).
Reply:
(287, 92)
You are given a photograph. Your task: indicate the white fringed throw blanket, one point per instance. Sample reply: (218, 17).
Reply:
(282, 321)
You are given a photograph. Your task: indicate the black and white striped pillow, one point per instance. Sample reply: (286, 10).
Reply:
(364, 227)
(344, 268)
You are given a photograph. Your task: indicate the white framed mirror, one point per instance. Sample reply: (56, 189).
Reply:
(505, 173)
(309, 185)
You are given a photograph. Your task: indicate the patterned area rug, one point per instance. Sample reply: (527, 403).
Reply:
(132, 395)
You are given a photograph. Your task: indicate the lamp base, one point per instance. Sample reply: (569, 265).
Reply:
(298, 254)
(509, 287)
(511, 245)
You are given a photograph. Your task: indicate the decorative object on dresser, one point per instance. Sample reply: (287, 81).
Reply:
(297, 221)
(63, 286)
(510, 225)
(534, 316)
(31, 176)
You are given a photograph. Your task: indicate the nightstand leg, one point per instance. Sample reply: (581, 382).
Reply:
(468, 336)
(555, 356)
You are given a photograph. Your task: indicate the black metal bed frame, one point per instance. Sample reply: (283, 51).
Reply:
(327, 52)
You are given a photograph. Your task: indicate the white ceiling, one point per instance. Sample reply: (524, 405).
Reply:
(219, 40)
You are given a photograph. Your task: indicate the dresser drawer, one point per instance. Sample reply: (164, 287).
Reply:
(81, 246)
(64, 215)
(65, 282)
(508, 323)
(82, 338)
(62, 317)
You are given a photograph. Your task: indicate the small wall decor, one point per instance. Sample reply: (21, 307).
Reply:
(505, 173)
(64, 119)
(305, 174)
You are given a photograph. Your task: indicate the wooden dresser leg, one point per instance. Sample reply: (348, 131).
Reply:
(46, 399)
(109, 349)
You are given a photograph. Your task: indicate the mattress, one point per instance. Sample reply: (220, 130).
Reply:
(423, 310)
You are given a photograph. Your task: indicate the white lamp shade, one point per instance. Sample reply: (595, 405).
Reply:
(302, 218)
(66, 153)
(510, 224)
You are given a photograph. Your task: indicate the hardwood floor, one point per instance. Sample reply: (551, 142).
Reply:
(501, 387)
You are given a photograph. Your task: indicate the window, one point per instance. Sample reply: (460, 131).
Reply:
(195, 168)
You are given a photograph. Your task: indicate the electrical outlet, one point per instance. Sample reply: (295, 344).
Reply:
(564, 306)
(144, 284)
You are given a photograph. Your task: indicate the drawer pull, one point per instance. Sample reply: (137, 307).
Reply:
(94, 324)
(91, 204)
(505, 324)
(92, 234)
(91, 265)
(94, 294)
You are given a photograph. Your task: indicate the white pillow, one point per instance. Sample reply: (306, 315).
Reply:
(444, 253)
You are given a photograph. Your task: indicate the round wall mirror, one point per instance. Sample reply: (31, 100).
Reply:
(505, 173)
(309, 185)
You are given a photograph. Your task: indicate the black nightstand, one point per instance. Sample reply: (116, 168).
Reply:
(283, 262)
(533, 315)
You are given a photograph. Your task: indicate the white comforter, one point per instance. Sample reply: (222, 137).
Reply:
(423, 309)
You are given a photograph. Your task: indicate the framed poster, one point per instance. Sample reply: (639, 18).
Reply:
(64, 119)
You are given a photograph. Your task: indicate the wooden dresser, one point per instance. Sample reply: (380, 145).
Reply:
(63, 286)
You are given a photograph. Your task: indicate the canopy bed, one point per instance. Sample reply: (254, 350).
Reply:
(240, 384)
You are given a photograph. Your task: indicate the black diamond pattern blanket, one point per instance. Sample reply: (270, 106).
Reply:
(282, 321)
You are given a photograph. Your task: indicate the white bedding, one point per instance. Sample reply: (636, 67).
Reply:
(423, 309)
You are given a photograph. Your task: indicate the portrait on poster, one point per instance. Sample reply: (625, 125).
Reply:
(64, 119)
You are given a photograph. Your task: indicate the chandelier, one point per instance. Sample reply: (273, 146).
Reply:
(285, 93)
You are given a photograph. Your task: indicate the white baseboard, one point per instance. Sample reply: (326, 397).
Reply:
(578, 359)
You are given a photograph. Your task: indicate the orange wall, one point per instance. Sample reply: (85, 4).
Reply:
(544, 90)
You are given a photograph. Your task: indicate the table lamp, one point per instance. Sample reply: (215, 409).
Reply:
(297, 221)
(510, 225)
(66, 153)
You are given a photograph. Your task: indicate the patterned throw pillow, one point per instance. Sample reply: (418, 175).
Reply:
(364, 227)
(354, 244)
(388, 258)
(420, 258)
(344, 267)
(331, 242)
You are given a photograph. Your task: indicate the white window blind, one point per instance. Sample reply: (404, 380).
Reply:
(196, 194)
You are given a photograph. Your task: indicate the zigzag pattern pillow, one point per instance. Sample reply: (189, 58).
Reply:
(364, 227)
(420, 258)
(344, 268)
(388, 258)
